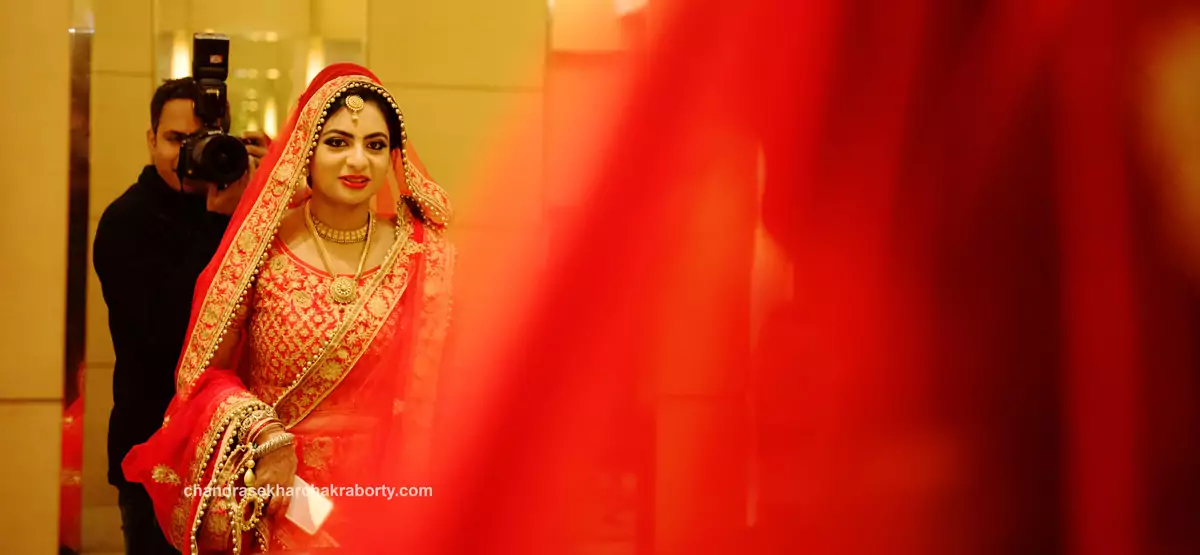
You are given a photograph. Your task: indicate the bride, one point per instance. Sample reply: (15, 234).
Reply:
(316, 335)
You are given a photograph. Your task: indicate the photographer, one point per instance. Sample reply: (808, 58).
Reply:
(151, 245)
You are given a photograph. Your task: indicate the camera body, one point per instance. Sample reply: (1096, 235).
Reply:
(211, 153)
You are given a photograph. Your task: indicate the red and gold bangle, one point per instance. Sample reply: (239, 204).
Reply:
(261, 426)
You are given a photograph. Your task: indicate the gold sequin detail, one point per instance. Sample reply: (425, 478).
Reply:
(377, 306)
(246, 241)
(164, 475)
(179, 520)
(331, 370)
(303, 299)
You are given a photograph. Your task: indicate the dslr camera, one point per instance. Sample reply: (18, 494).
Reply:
(212, 154)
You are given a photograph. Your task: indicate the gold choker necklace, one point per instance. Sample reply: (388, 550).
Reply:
(341, 236)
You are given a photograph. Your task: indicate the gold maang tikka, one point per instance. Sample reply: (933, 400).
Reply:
(355, 104)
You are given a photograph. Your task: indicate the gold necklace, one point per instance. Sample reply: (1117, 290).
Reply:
(341, 236)
(343, 290)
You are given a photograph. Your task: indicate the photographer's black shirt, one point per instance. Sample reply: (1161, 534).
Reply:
(151, 245)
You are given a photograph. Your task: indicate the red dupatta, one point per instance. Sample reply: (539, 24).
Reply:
(200, 430)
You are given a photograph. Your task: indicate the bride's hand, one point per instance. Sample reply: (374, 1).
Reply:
(276, 470)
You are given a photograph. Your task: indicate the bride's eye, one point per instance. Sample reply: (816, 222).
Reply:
(335, 142)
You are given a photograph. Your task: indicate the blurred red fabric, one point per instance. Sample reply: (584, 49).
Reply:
(988, 348)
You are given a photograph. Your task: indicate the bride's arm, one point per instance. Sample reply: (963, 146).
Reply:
(217, 525)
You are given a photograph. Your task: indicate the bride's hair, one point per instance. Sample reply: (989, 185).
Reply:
(389, 113)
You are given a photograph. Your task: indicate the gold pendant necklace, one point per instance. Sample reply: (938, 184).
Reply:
(343, 290)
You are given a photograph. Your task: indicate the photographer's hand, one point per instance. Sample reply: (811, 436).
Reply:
(226, 201)
(257, 144)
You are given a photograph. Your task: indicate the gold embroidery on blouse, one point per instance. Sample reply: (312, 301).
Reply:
(302, 299)
(288, 328)
(357, 331)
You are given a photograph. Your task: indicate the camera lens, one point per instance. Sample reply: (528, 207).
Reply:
(221, 158)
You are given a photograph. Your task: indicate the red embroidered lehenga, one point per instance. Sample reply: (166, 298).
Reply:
(356, 386)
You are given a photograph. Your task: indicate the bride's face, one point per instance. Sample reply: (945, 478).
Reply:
(352, 158)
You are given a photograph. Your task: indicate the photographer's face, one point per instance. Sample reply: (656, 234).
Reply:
(352, 159)
(178, 120)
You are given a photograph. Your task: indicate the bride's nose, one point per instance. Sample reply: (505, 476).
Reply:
(357, 159)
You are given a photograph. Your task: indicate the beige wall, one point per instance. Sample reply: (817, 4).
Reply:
(466, 72)
(586, 26)
(122, 61)
(33, 250)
